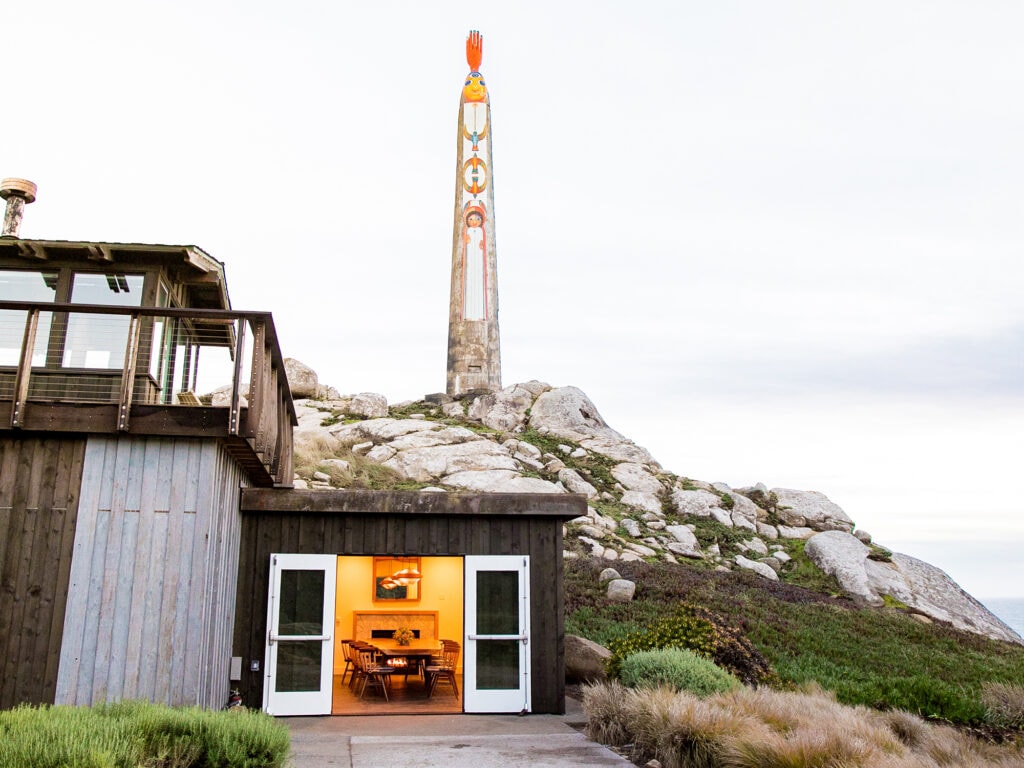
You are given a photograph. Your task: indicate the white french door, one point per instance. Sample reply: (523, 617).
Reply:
(496, 665)
(300, 626)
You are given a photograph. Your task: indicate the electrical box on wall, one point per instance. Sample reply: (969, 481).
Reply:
(254, 665)
(236, 668)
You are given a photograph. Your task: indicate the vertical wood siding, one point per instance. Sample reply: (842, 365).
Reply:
(153, 574)
(377, 534)
(39, 484)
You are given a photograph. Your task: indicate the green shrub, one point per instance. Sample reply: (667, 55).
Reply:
(694, 628)
(130, 734)
(680, 630)
(709, 531)
(677, 669)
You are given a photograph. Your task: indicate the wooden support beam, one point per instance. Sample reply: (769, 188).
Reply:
(99, 252)
(257, 381)
(30, 250)
(28, 344)
(561, 505)
(131, 356)
(210, 278)
(236, 378)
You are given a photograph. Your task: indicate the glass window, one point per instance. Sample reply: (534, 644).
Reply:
(25, 285)
(98, 341)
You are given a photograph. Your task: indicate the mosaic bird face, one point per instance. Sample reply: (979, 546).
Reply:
(475, 88)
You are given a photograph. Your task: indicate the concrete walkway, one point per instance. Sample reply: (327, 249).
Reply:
(447, 741)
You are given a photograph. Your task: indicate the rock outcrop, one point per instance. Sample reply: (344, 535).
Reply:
(904, 580)
(535, 438)
(302, 380)
(585, 660)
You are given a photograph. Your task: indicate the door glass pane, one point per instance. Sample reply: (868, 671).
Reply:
(497, 603)
(301, 604)
(298, 666)
(497, 665)
(98, 341)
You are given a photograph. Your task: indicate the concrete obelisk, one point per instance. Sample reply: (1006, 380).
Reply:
(474, 356)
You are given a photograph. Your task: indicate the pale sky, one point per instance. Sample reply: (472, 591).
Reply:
(773, 242)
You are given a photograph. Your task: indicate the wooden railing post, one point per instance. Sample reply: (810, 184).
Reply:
(28, 345)
(283, 470)
(236, 378)
(131, 358)
(257, 382)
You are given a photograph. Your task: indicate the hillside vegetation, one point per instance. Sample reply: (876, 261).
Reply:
(882, 658)
(798, 633)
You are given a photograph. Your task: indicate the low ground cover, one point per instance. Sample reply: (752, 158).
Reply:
(880, 658)
(136, 734)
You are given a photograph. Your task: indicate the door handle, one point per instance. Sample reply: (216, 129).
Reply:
(296, 638)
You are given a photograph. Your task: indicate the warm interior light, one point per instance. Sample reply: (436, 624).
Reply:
(407, 576)
(388, 583)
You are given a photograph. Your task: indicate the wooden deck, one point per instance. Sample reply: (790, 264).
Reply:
(255, 423)
(406, 697)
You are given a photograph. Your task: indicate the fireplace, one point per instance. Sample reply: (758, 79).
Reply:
(365, 623)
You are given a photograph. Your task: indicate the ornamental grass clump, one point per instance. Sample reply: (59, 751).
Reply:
(764, 728)
(1004, 704)
(677, 669)
(132, 734)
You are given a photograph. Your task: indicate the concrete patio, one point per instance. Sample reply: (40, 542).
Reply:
(448, 741)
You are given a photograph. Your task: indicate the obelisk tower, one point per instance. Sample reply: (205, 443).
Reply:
(474, 356)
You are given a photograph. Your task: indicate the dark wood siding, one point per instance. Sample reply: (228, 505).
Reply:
(427, 531)
(39, 486)
(153, 575)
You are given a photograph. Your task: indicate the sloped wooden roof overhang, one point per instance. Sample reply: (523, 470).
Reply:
(560, 506)
(189, 264)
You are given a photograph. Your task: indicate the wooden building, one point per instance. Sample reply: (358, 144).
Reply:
(119, 488)
(151, 545)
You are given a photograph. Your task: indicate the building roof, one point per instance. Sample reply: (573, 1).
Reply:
(188, 264)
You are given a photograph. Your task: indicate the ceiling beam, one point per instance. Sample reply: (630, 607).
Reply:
(99, 252)
(31, 250)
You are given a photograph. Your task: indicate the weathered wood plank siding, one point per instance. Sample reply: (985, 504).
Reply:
(39, 483)
(153, 574)
(426, 530)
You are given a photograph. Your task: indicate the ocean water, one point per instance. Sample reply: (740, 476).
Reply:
(1009, 609)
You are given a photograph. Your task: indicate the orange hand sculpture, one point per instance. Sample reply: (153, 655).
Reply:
(474, 50)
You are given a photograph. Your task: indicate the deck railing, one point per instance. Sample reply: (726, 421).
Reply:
(150, 370)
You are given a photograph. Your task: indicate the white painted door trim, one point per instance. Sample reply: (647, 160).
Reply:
(300, 702)
(491, 700)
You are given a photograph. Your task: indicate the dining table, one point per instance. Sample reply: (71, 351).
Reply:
(412, 656)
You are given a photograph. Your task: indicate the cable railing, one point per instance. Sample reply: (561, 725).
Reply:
(149, 370)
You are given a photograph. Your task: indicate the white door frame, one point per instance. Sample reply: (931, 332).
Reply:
(492, 700)
(300, 702)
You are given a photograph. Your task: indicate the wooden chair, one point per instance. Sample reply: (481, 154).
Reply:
(346, 650)
(354, 646)
(374, 673)
(445, 670)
